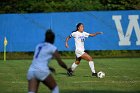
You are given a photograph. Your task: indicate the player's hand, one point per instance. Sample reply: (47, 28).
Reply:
(66, 45)
(99, 33)
(52, 69)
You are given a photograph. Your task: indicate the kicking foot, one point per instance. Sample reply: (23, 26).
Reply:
(94, 74)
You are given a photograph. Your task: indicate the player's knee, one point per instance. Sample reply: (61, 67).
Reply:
(77, 62)
(90, 58)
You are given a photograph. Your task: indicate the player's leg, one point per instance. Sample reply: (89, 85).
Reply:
(33, 85)
(77, 61)
(91, 63)
(51, 84)
(74, 66)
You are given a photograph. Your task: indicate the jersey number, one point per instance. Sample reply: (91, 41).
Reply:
(39, 49)
(82, 40)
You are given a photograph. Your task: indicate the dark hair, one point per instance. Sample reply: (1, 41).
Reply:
(49, 36)
(77, 26)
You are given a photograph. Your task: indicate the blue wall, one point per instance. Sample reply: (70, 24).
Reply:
(25, 31)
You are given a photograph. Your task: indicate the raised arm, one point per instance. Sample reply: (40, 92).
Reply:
(66, 43)
(97, 33)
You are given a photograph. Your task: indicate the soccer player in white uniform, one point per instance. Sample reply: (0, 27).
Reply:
(79, 37)
(39, 71)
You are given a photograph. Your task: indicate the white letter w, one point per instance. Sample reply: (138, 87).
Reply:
(133, 23)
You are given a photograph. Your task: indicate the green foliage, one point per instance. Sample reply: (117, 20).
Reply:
(120, 4)
(35, 6)
(71, 54)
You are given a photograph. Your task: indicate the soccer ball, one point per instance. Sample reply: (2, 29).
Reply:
(100, 74)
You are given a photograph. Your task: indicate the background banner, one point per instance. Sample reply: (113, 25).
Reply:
(24, 31)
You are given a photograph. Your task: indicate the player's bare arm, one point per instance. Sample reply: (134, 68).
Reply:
(97, 33)
(66, 43)
(60, 62)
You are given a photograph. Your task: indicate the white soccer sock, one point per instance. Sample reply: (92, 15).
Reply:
(73, 67)
(55, 90)
(31, 92)
(91, 65)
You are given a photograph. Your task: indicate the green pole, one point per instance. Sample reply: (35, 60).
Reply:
(5, 44)
(4, 53)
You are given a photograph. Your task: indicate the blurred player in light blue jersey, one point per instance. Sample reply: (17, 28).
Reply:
(79, 37)
(39, 71)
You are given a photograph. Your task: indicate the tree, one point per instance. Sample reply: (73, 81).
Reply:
(120, 4)
(33, 6)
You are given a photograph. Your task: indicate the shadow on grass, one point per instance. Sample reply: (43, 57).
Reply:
(65, 74)
(62, 74)
(97, 91)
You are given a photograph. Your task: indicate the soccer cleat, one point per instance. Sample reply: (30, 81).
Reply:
(69, 72)
(94, 74)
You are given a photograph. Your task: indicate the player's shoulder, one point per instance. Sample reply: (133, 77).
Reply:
(41, 44)
(46, 44)
(50, 45)
(73, 33)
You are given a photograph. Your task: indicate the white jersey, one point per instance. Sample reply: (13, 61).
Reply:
(79, 38)
(43, 54)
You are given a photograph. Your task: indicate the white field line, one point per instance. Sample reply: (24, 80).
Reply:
(120, 76)
(115, 76)
(121, 68)
(107, 82)
(18, 82)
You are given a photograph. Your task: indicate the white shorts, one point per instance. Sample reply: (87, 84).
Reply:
(79, 53)
(38, 74)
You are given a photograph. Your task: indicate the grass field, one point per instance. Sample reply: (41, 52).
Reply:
(122, 76)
